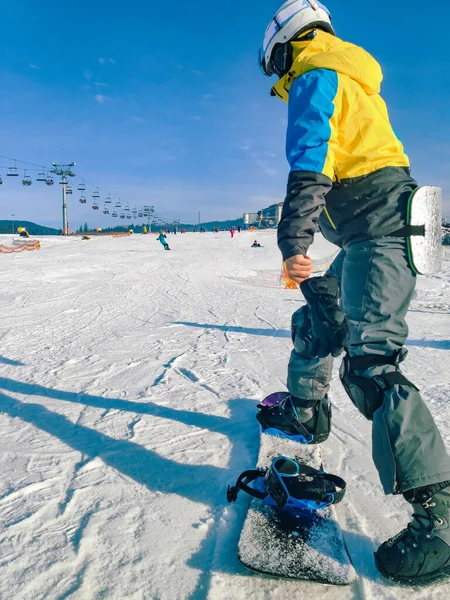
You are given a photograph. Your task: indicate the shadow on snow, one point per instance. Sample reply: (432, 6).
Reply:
(204, 484)
(8, 361)
(283, 333)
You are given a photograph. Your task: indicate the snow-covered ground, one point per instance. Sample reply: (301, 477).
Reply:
(129, 383)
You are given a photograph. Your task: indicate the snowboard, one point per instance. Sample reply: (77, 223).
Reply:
(309, 546)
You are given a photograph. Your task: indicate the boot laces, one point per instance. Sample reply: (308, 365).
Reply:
(420, 525)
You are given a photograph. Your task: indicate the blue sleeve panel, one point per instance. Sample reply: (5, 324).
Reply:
(311, 107)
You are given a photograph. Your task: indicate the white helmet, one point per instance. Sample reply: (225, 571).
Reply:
(292, 19)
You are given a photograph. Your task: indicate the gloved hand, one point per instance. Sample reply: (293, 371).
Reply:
(329, 325)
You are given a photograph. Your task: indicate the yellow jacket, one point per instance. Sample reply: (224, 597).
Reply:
(344, 156)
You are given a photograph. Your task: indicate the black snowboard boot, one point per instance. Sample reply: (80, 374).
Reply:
(306, 422)
(420, 554)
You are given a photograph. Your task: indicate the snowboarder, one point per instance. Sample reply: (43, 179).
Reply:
(256, 244)
(163, 239)
(350, 174)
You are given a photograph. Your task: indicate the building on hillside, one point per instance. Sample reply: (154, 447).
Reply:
(270, 216)
(267, 217)
(250, 218)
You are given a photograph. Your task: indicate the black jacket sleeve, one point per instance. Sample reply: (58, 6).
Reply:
(303, 205)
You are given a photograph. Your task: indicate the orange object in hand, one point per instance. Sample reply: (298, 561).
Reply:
(299, 268)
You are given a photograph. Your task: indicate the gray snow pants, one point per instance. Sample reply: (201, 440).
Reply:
(376, 288)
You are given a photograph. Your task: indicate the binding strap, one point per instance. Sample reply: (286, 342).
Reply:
(291, 485)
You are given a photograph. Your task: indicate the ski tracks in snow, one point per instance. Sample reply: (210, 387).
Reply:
(129, 385)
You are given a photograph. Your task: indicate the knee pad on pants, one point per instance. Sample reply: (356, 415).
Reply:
(302, 332)
(367, 393)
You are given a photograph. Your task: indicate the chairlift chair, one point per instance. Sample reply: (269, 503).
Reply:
(13, 172)
(117, 205)
(81, 187)
(49, 181)
(140, 215)
(95, 205)
(96, 195)
(114, 214)
(63, 181)
(1, 181)
(128, 216)
(105, 211)
(108, 200)
(69, 190)
(122, 215)
(83, 199)
(41, 176)
(26, 181)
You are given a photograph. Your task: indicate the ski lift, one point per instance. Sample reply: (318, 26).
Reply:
(49, 180)
(117, 205)
(69, 190)
(96, 194)
(140, 215)
(13, 172)
(81, 187)
(95, 205)
(108, 200)
(114, 214)
(83, 199)
(106, 211)
(26, 181)
(41, 176)
(1, 181)
(122, 216)
(63, 181)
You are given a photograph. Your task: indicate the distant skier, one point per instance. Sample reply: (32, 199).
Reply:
(163, 239)
(232, 232)
(349, 172)
(256, 245)
(239, 229)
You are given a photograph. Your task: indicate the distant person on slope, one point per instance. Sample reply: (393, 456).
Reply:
(256, 245)
(163, 239)
(349, 172)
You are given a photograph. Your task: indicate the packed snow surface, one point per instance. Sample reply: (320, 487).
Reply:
(129, 383)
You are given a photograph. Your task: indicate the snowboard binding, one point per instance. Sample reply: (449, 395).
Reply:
(285, 420)
(290, 485)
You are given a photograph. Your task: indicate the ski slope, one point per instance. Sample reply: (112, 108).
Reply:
(129, 379)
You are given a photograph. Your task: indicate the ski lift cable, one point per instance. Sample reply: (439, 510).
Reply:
(41, 168)
(100, 189)
(25, 162)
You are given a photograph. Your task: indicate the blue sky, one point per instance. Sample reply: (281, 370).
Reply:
(163, 103)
